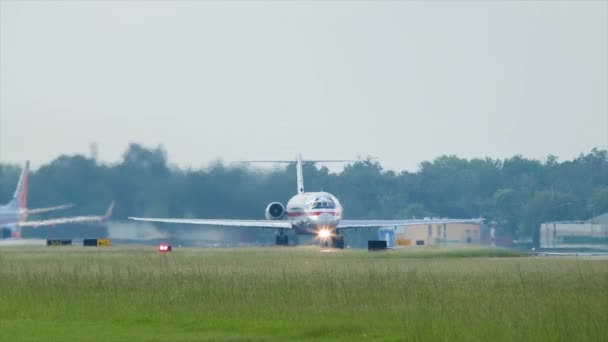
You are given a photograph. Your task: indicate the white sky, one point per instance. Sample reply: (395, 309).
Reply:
(403, 81)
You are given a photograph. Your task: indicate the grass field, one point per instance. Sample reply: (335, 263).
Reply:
(128, 294)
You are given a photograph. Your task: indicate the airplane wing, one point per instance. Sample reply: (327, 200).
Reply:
(221, 222)
(349, 224)
(64, 220)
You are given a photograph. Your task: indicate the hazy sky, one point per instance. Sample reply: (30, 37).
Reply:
(404, 81)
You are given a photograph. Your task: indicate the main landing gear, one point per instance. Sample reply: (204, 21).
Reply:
(337, 241)
(281, 239)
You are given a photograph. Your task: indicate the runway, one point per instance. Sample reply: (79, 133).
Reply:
(23, 242)
(583, 255)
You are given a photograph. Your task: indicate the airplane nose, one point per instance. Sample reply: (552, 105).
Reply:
(325, 218)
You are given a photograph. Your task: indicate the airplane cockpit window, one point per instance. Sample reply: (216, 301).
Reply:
(323, 203)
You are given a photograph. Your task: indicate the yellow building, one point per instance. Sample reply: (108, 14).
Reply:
(433, 234)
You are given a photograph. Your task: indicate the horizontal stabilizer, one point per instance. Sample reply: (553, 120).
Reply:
(294, 161)
(45, 210)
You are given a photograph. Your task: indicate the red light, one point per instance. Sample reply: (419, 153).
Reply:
(164, 248)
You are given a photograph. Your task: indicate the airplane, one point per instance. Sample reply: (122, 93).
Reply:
(306, 213)
(14, 214)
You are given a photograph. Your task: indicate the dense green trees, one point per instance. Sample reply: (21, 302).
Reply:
(517, 193)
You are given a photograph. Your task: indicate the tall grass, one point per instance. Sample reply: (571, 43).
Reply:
(277, 294)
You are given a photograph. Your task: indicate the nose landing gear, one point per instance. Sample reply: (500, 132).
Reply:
(337, 241)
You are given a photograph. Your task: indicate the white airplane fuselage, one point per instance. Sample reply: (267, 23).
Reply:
(310, 212)
(10, 215)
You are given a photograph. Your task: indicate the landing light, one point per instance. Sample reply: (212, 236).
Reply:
(324, 234)
(163, 248)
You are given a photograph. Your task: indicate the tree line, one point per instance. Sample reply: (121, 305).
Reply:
(516, 193)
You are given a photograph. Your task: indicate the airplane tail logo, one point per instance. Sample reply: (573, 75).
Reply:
(20, 197)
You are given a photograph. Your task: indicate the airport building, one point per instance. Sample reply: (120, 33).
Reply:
(444, 234)
(592, 234)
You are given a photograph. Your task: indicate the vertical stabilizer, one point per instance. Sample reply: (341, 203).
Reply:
(20, 197)
(300, 176)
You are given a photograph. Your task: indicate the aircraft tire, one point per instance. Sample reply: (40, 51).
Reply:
(339, 242)
(282, 240)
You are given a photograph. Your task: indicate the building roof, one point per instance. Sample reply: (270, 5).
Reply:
(603, 219)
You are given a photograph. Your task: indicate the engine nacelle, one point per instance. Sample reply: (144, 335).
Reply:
(275, 211)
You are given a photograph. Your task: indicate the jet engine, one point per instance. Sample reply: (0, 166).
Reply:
(275, 211)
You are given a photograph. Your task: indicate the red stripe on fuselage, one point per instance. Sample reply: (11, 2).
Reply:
(312, 213)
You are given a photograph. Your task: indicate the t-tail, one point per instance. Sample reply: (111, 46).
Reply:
(300, 174)
(20, 197)
(299, 161)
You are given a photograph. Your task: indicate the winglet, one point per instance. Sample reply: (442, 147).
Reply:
(109, 212)
(20, 196)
